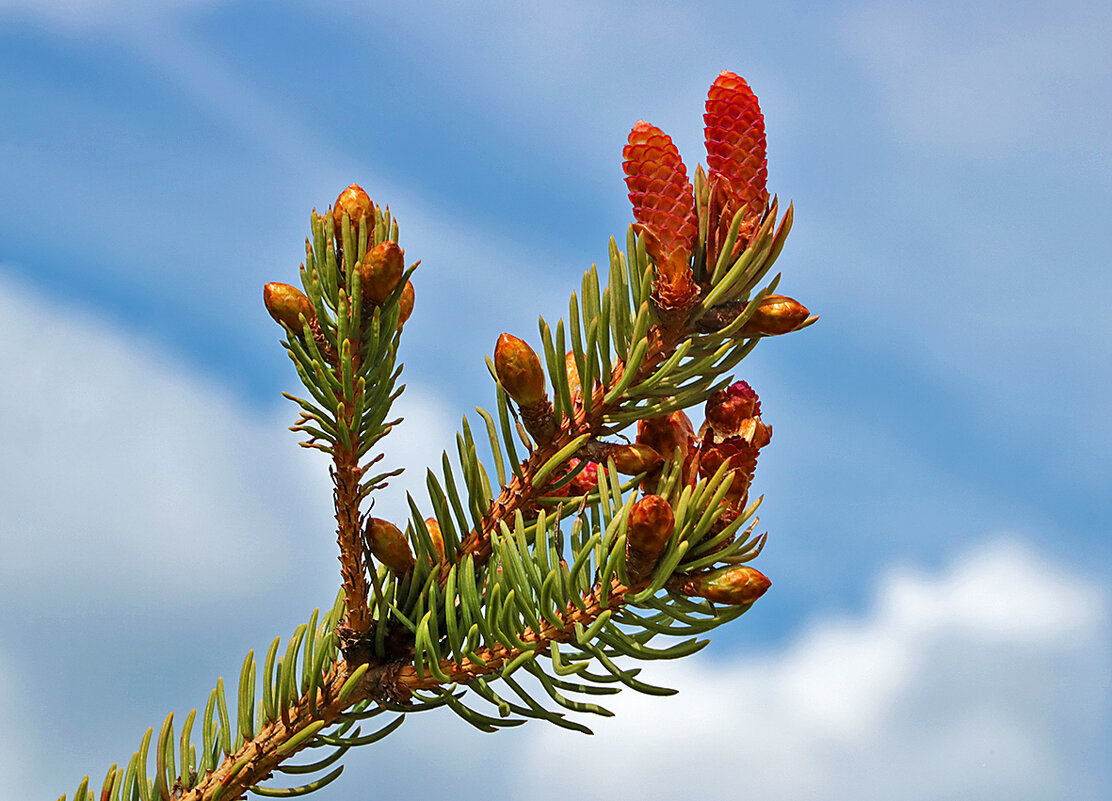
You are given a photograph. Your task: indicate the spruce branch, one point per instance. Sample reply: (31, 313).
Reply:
(584, 549)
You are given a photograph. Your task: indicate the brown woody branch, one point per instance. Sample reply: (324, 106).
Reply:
(256, 760)
(520, 492)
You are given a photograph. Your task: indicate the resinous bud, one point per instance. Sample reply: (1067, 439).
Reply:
(633, 459)
(285, 303)
(389, 546)
(519, 370)
(406, 303)
(573, 371)
(381, 270)
(436, 535)
(667, 432)
(734, 585)
(776, 314)
(357, 205)
(647, 533)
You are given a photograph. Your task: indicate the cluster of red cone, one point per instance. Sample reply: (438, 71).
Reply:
(730, 439)
(664, 201)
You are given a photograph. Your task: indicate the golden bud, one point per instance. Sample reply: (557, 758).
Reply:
(573, 371)
(357, 205)
(519, 370)
(435, 534)
(285, 303)
(406, 303)
(735, 585)
(389, 546)
(775, 314)
(650, 526)
(381, 270)
(633, 459)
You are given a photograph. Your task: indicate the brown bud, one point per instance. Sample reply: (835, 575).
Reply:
(665, 433)
(633, 459)
(406, 303)
(650, 527)
(740, 458)
(381, 270)
(757, 433)
(735, 585)
(728, 408)
(775, 314)
(285, 303)
(389, 545)
(437, 537)
(519, 370)
(357, 205)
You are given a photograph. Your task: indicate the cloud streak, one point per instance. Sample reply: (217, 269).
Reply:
(133, 477)
(985, 681)
(1001, 85)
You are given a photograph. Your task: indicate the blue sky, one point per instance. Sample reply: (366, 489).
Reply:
(937, 487)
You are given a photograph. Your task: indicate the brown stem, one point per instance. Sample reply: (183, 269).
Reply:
(497, 656)
(349, 535)
(391, 681)
(346, 475)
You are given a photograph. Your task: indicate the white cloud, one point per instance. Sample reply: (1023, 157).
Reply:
(977, 82)
(988, 681)
(125, 474)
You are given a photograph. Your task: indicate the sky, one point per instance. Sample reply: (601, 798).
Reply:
(936, 491)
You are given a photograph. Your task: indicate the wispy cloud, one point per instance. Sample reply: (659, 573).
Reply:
(130, 477)
(985, 681)
(972, 81)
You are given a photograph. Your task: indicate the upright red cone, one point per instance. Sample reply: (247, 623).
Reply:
(664, 207)
(735, 138)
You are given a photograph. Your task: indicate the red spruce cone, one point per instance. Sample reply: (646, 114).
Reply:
(735, 137)
(664, 207)
(664, 434)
